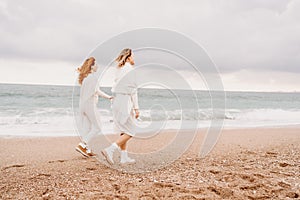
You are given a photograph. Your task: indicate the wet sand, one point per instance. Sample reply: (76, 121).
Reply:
(258, 163)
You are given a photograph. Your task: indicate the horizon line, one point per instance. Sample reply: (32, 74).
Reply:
(69, 85)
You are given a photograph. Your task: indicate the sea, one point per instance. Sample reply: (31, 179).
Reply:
(50, 110)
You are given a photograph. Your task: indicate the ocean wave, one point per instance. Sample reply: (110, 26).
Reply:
(64, 124)
(61, 116)
(189, 114)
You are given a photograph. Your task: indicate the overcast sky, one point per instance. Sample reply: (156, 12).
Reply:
(255, 44)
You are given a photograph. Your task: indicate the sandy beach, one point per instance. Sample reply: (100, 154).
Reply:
(256, 163)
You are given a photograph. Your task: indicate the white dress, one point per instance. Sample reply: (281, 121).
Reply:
(89, 117)
(125, 100)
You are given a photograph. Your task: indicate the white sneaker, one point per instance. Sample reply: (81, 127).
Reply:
(108, 153)
(84, 150)
(90, 153)
(125, 159)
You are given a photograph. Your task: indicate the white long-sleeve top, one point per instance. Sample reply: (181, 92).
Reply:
(90, 89)
(125, 83)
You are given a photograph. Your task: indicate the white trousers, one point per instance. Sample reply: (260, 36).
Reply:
(90, 121)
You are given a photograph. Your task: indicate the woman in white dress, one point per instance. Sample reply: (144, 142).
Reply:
(125, 106)
(89, 117)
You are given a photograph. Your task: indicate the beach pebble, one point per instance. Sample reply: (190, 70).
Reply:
(283, 164)
(139, 179)
(84, 179)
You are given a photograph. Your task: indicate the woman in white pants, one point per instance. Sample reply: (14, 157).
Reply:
(125, 106)
(89, 117)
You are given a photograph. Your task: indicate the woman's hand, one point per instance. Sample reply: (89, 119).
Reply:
(111, 98)
(137, 113)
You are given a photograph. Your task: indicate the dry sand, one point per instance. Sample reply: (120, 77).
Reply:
(260, 163)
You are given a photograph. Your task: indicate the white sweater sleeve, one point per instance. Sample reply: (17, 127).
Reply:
(134, 98)
(102, 94)
(134, 95)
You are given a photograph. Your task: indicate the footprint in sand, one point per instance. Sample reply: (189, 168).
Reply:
(214, 171)
(53, 161)
(247, 177)
(91, 168)
(40, 176)
(147, 196)
(284, 164)
(12, 166)
(271, 154)
(293, 195)
(221, 191)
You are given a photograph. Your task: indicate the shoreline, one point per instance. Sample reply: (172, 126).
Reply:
(29, 135)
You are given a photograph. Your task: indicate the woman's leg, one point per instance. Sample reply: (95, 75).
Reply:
(121, 145)
(122, 141)
(91, 127)
(95, 122)
(86, 128)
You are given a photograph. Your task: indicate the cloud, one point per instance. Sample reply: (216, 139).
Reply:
(36, 72)
(237, 34)
(250, 37)
(261, 80)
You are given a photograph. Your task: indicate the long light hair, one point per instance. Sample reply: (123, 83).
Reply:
(85, 69)
(122, 58)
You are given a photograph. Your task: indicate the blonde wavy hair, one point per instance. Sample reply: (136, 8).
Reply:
(122, 58)
(85, 69)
